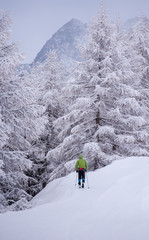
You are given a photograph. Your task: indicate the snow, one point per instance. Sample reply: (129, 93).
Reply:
(115, 207)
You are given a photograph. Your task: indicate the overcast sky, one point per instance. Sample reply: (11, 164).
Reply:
(35, 21)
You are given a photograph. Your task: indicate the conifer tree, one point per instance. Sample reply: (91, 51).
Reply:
(49, 78)
(17, 117)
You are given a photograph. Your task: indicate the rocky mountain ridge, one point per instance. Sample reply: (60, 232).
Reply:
(65, 42)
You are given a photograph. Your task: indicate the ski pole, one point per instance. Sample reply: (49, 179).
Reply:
(87, 180)
(76, 179)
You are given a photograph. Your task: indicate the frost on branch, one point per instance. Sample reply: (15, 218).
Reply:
(95, 157)
(74, 116)
(105, 131)
(130, 106)
(135, 122)
(125, 139)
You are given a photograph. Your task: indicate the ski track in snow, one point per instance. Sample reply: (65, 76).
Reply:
(115, 207)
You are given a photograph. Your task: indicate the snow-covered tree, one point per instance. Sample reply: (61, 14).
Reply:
(139, 55)
(11, 164)
(140, 47)
(121, 113)
(79, 125)
(18, 119)
(139, 39)
(7, 64)
(49, 79)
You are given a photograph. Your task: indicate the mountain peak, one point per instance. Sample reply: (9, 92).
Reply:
(75, 21)
(65, 41)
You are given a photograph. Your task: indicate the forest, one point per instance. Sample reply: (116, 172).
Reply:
(47, 118)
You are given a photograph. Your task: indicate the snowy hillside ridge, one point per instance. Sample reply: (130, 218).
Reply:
(103, 180)
(65, 41)
(115, 207)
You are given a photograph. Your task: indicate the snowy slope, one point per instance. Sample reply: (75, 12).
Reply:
(116, 207)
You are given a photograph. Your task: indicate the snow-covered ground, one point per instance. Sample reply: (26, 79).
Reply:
(116, 207)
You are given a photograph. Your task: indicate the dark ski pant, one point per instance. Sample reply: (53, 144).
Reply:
(81, 175)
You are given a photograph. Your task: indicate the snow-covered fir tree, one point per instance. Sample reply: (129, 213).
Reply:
(79, 125)
(12, 164)
(139, 49)
(20, 123)
(49, 78)
(140, 45)
(122, 115)
(139, 38)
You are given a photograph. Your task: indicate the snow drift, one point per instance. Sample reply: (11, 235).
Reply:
(115, 207)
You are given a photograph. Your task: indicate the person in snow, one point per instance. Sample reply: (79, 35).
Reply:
(81, 167)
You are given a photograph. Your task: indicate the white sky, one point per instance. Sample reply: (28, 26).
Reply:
(35, 21)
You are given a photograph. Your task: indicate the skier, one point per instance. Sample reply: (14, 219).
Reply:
(81, 167)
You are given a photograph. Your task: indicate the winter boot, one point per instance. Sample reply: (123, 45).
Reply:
(79, 183)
